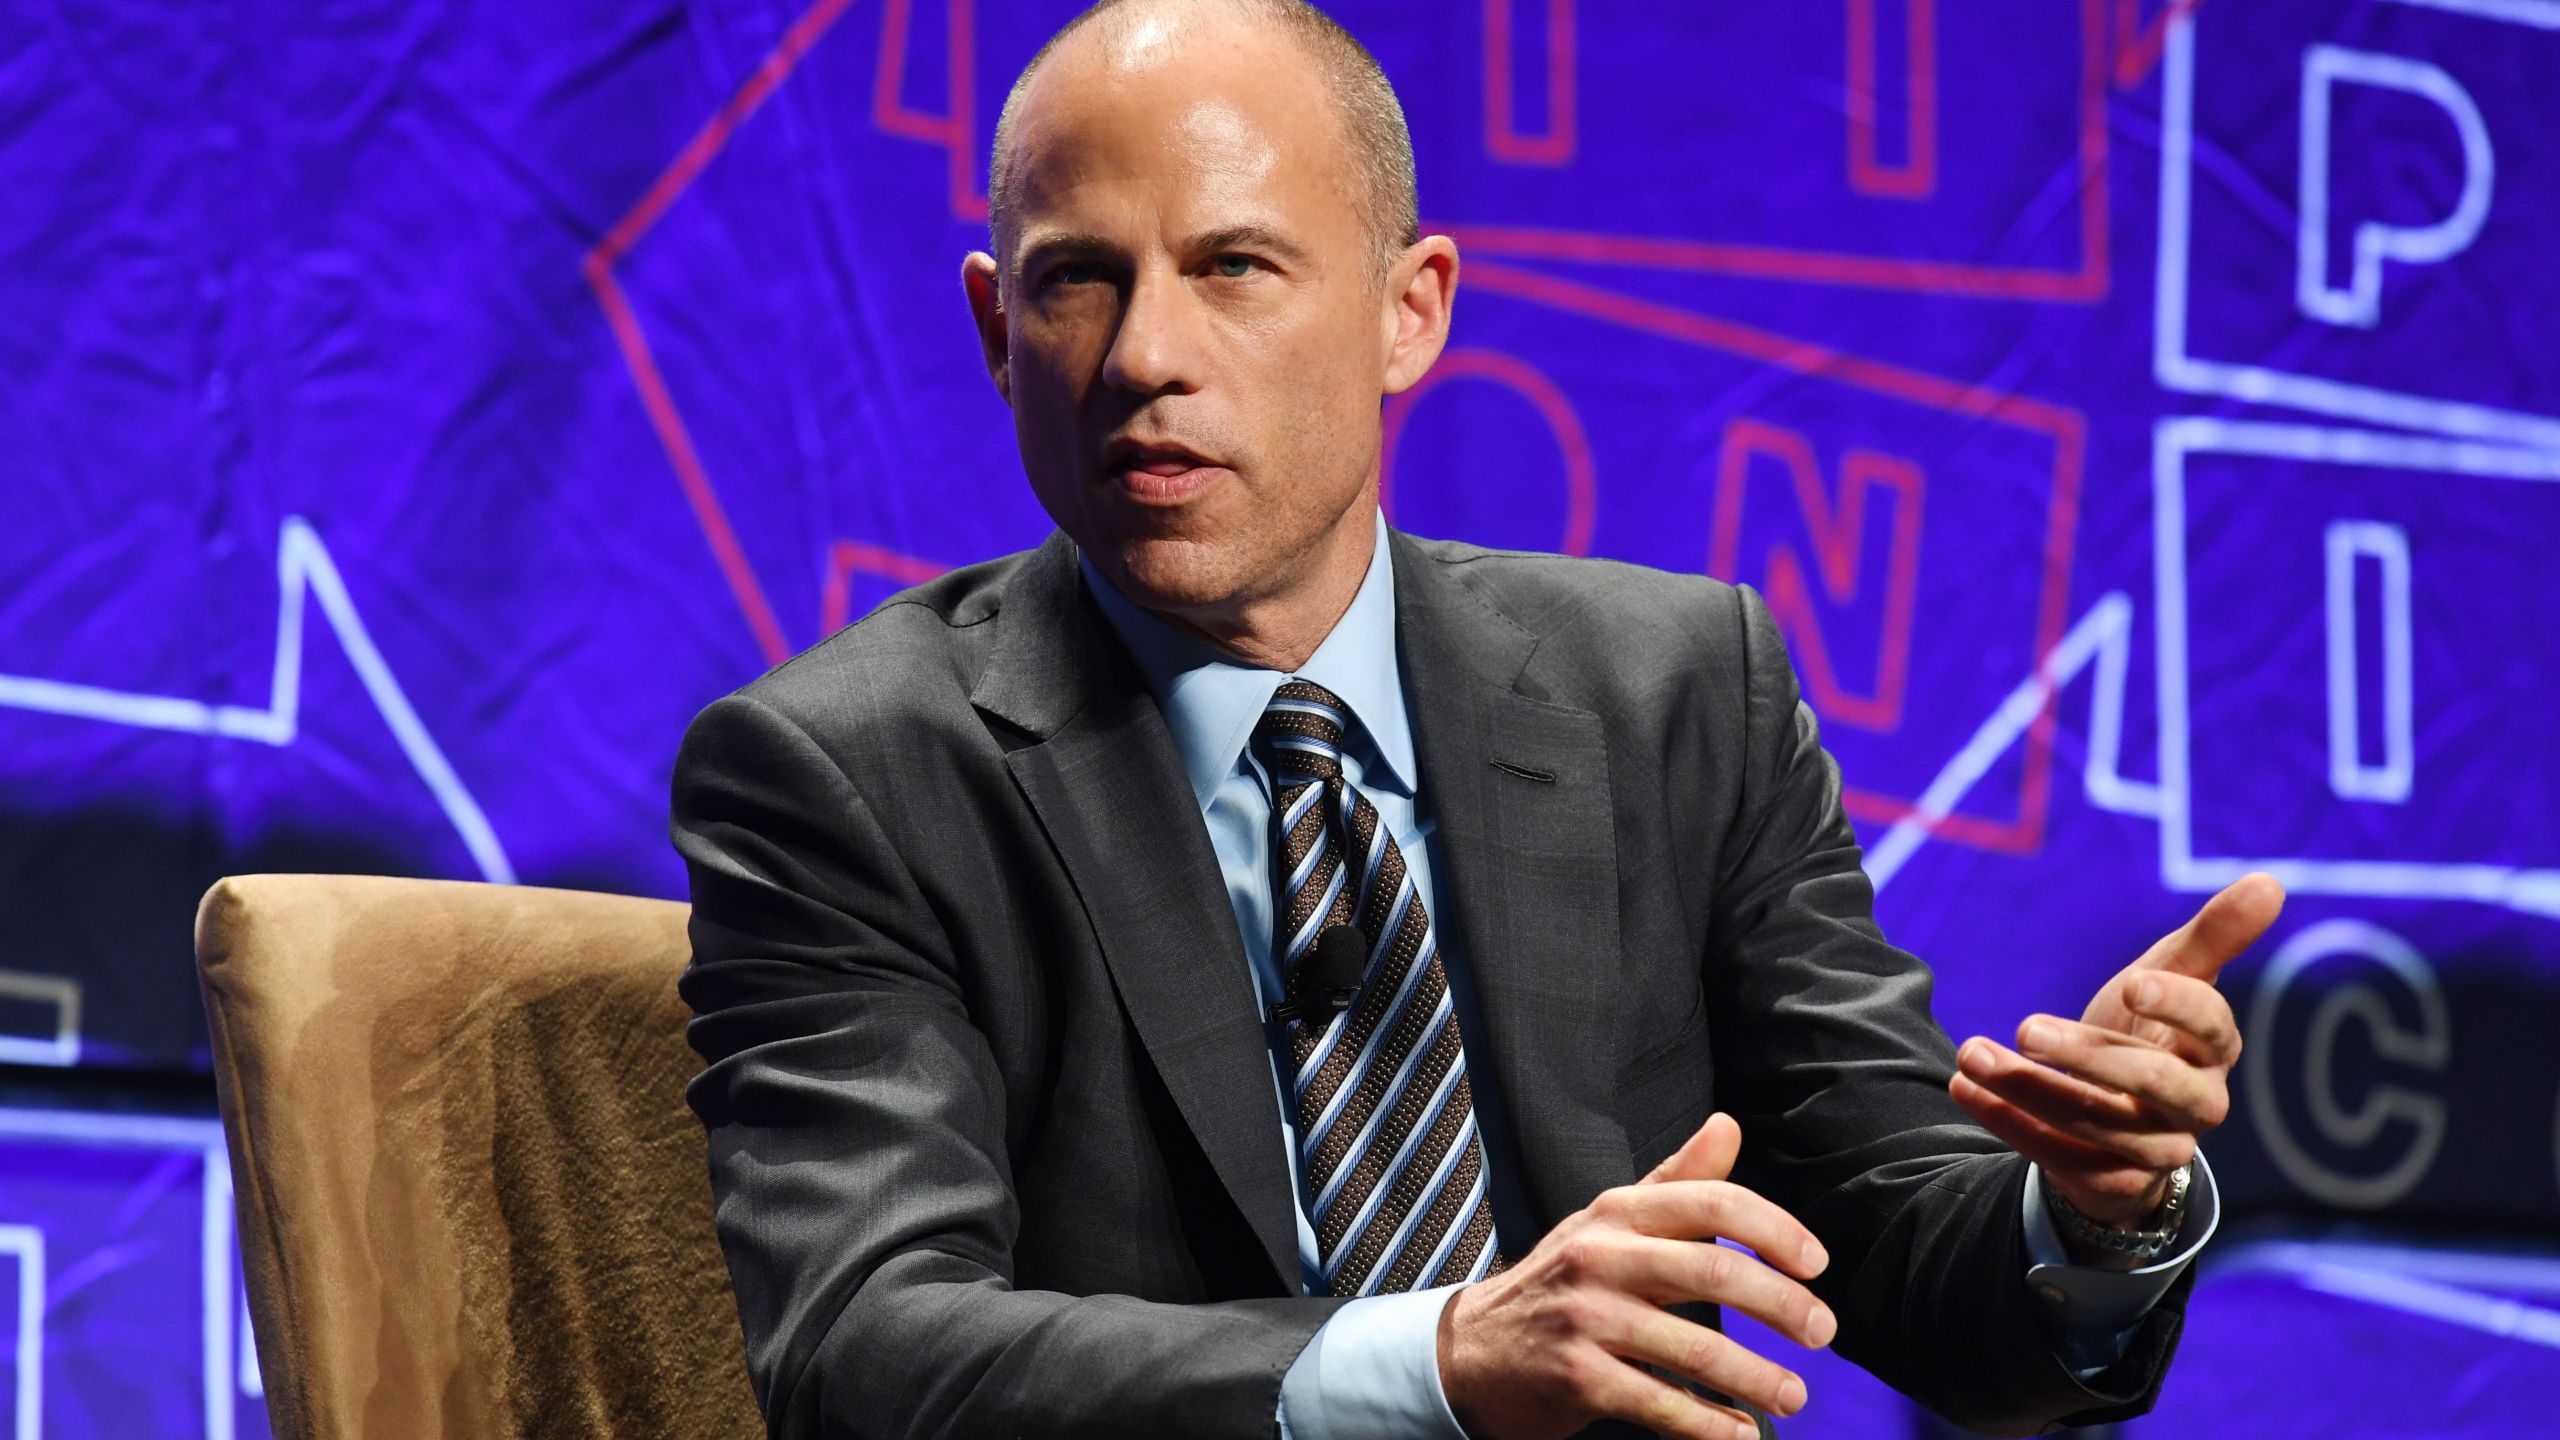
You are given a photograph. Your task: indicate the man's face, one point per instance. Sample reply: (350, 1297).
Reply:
(1192, 341)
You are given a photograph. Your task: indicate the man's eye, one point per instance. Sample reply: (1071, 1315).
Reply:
(1232, 267)
(1074, 272)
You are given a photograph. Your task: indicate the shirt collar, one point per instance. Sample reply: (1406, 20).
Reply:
(1211, 703)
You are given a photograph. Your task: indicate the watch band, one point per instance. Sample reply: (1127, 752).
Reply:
(2145, 1244)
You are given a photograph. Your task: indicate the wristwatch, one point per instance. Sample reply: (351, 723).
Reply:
(2144, 1245)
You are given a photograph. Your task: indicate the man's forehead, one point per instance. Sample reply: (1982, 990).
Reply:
(1150, 55)
(1199, 139)
(1227, 133)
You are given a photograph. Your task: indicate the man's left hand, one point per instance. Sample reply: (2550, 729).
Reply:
(2110, 1106)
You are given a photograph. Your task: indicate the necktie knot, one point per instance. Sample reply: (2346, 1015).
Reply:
(1301, 733)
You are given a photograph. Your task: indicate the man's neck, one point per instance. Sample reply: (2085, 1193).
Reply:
(1281, 631)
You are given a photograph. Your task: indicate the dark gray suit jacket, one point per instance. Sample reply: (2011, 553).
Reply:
(992, 1128)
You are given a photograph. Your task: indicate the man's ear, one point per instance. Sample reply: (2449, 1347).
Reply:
(1420, 291)
(986, 306)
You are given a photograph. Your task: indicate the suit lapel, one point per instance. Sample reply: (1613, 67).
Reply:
(1108, 787)
(1519, 788)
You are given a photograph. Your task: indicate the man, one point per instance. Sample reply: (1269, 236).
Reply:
(1238, 968)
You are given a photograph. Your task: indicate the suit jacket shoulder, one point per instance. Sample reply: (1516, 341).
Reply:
(1623, 615)
(914, 651)
(1622, 640)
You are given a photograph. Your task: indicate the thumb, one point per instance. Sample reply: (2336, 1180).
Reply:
(2228, 924)
(1708, 1154)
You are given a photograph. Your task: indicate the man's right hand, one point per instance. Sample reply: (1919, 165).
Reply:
(1558, 1340)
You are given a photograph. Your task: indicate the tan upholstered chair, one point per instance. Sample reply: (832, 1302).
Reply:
(471, 1199)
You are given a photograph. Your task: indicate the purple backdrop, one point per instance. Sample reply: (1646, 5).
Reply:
(2144, 416)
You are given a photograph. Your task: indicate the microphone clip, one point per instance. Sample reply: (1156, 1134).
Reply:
(1327, 979)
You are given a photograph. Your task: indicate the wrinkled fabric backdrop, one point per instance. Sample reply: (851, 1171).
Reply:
(2143, 416)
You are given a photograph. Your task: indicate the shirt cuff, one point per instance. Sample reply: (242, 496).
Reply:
(1372, 1372)
(2093, 1312)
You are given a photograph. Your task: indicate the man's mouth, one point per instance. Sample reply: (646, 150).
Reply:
(1159, 474)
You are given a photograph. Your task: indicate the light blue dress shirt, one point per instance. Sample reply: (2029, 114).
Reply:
(1373, 1369)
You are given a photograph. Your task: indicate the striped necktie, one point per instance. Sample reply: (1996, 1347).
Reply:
(1389, 1158)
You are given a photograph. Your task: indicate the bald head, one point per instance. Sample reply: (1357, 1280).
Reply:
(1117, 40)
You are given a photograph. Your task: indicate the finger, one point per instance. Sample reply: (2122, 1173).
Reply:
(1612, 1387)
(2104, 1119)
(1716, 1210)
(2186, 1097)
(1991, 1063)
(1649, 1336)
(2228, 924)
(2202, 1027)
(2050, 1149)
(1669, 1271)
(1707, 1155)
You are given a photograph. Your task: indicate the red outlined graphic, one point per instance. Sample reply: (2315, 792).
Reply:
(1917, 175)
(634, 342)
(2138, 45)
(1582, 495)
(1839, 537)
(956, 132)
(1502, 139)
(2084, 284)
(2065, 427)
(848, 558)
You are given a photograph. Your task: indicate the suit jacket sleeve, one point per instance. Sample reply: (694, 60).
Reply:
(862, 1188)
(1828, 1055)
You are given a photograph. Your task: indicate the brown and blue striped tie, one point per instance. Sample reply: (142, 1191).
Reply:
(1391, 1163)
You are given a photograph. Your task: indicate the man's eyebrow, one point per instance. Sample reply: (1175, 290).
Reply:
(1050, 248)
(1065, 245)
(1247, 237)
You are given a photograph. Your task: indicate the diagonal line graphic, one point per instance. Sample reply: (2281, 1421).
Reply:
(303, 569)
(2103, 638)
(701, 495)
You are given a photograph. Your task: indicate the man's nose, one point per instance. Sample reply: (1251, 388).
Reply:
(1156, 350)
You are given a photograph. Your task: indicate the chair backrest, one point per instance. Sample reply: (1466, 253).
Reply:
(471, 1199)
